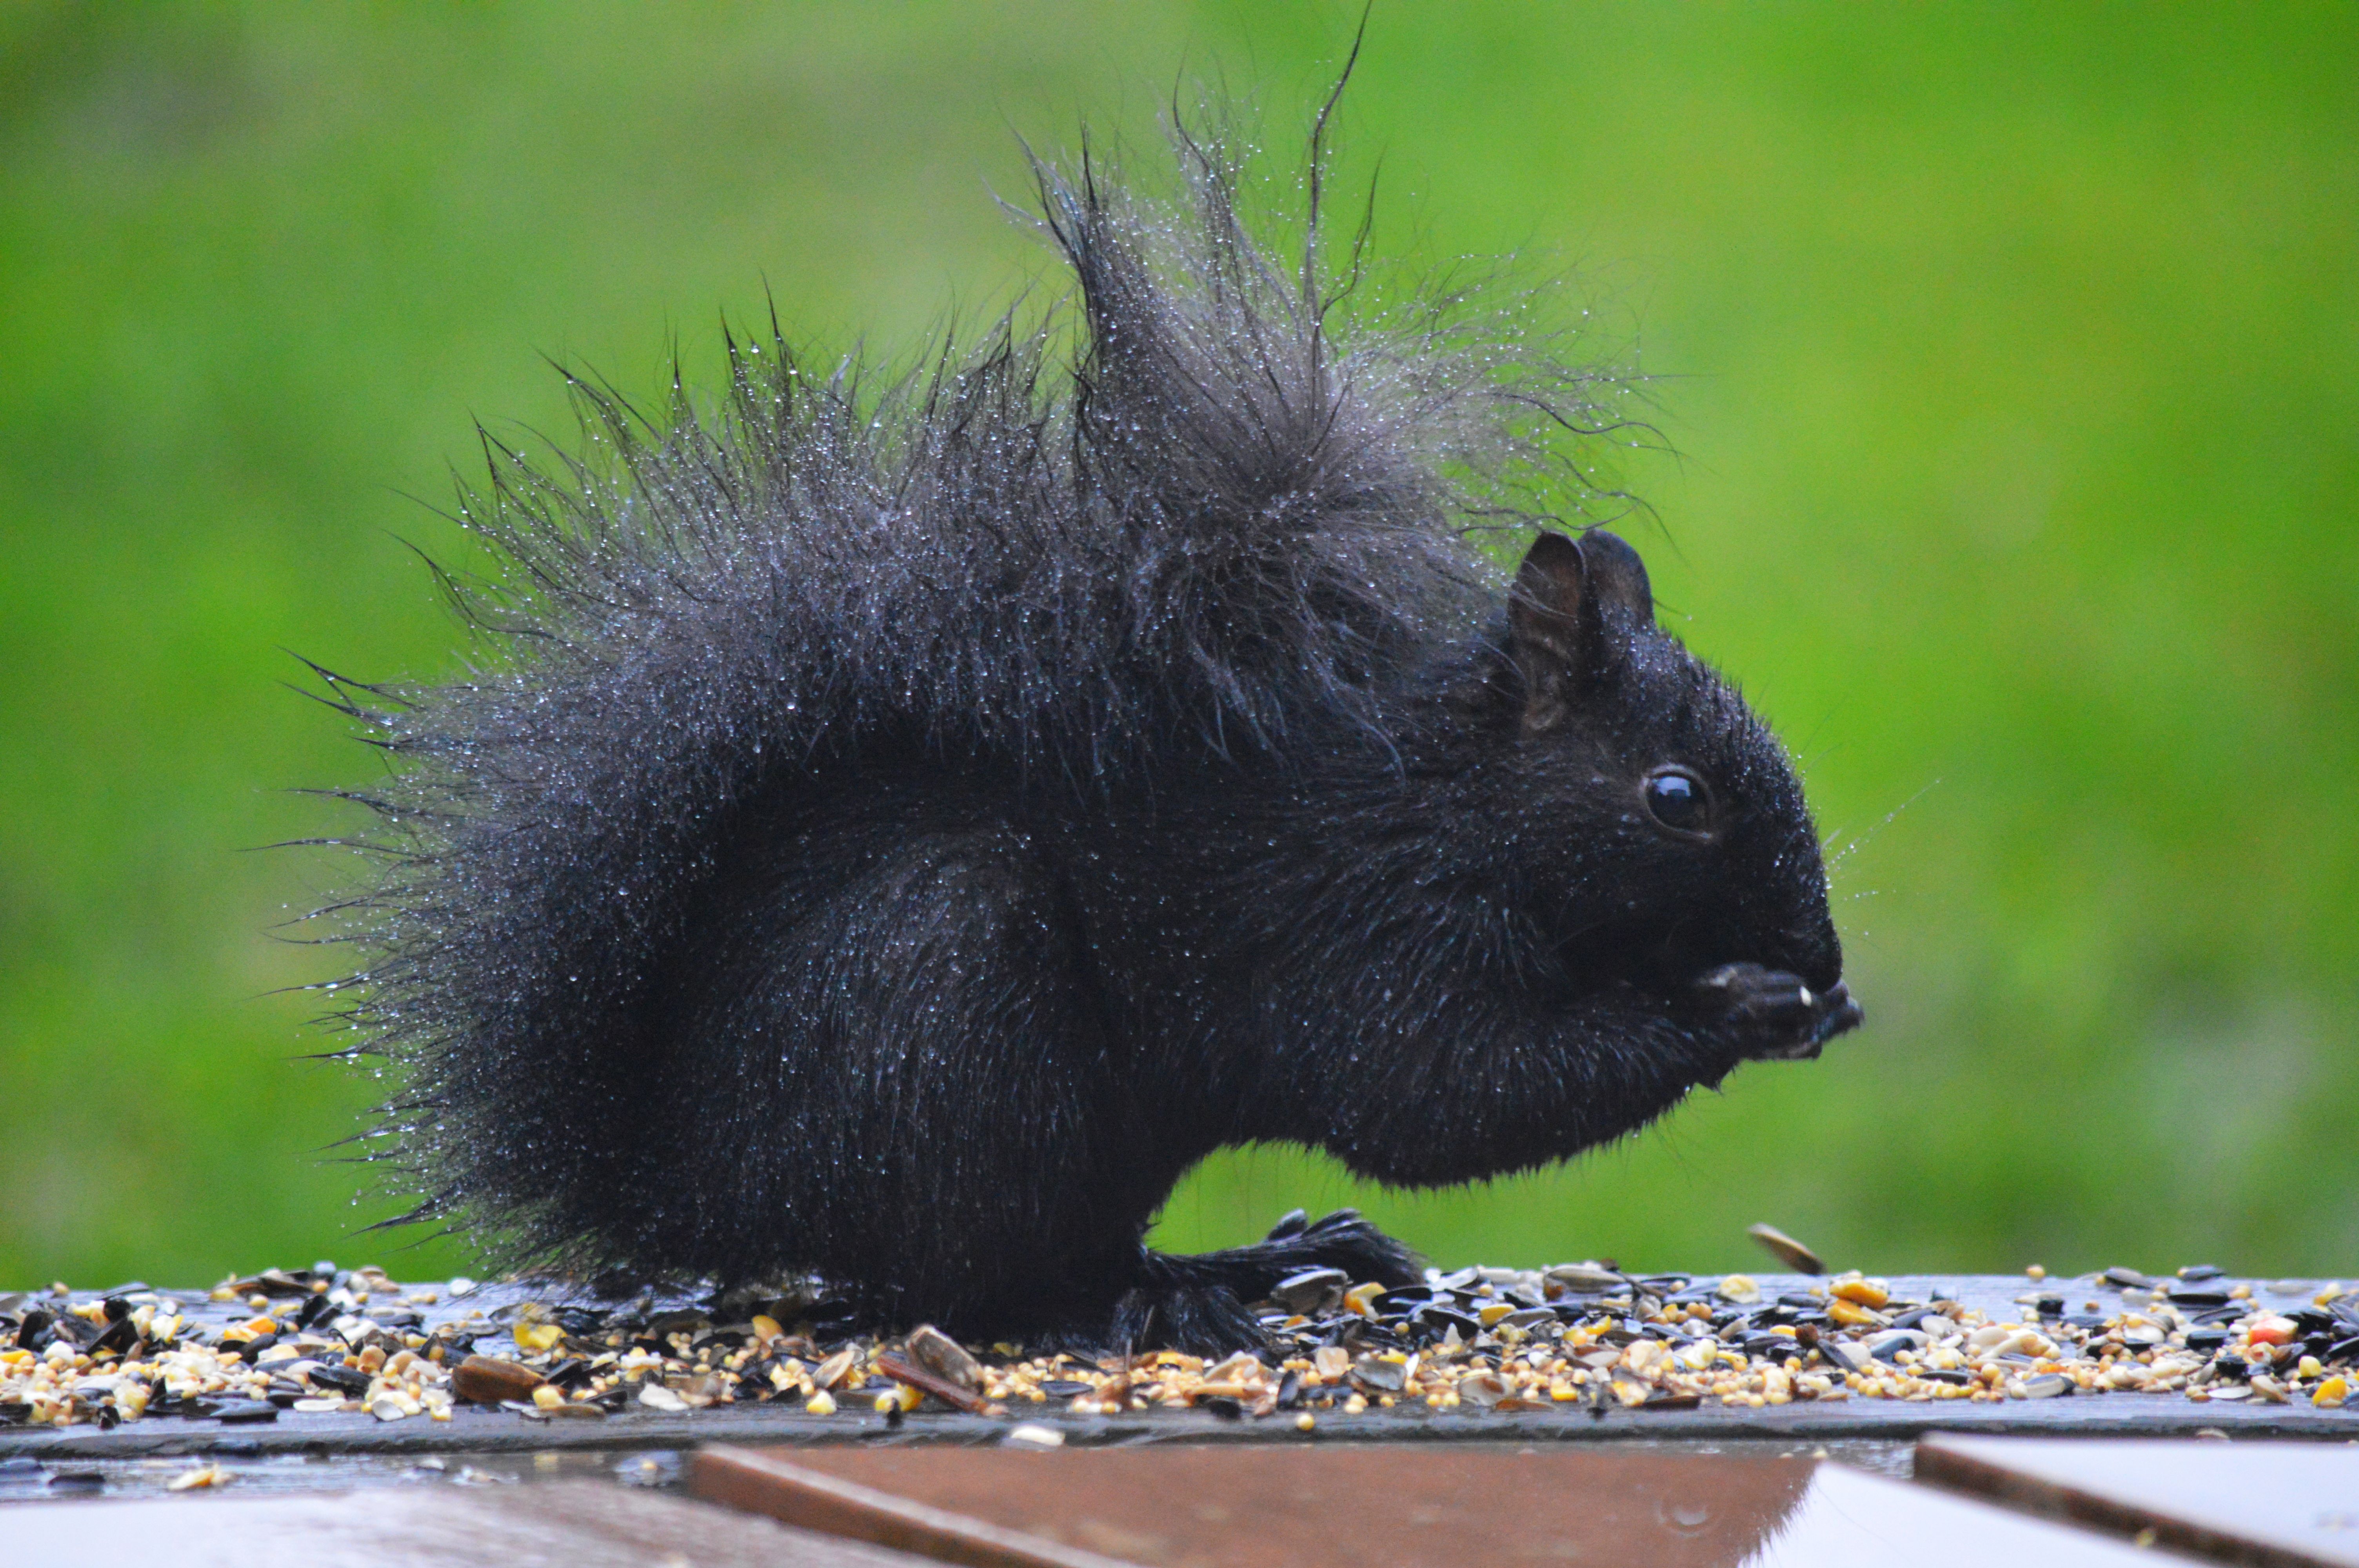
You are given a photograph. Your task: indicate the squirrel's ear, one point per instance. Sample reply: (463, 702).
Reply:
(1557, 617)
(1546, 633)
(1617, 575)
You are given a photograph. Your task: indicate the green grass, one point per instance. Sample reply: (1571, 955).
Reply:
(2010, 354)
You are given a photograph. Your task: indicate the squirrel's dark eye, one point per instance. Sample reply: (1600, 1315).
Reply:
(1678, 800)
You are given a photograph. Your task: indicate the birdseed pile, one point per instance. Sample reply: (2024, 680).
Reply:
(320, 1341)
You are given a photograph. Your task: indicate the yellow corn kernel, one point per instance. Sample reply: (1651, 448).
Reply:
(239, 1333)
(538, 1337)
(1867, 1292)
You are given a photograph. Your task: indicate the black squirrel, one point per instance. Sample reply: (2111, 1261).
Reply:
(903, 829)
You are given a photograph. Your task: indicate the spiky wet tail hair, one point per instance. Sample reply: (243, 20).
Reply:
(1182, 521)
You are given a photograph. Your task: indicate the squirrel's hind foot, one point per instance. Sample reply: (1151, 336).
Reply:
(1206, 1320)
(1207, 1297)
(1202, 1303)
(1341, 1240)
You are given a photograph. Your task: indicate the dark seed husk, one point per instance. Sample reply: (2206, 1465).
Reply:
(927, 1382)
(945, 1357)
(343, 1379)
(1312, 1292)
(78, 1332)
(1787, 1251)
(233, 1411)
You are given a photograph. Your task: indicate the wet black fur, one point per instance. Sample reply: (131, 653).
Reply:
(899, 832)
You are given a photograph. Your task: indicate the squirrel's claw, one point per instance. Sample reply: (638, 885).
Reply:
(1777, 1016)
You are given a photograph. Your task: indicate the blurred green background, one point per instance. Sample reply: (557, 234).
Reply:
(2010, 354)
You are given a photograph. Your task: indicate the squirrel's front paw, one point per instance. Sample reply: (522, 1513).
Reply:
(1773, 1015)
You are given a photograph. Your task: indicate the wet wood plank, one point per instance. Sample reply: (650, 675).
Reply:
(561, 1524)
(1376, 1506)
(2277, 1505)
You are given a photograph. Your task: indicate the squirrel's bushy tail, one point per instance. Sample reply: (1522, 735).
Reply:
(1172, 523)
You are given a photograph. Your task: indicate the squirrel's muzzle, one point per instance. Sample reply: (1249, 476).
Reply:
(1775, 1015)
(1835, 1013)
